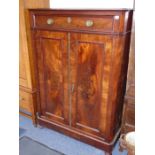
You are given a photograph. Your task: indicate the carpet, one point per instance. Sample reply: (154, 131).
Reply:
(21, 131)
(28, 146)
(61, 142)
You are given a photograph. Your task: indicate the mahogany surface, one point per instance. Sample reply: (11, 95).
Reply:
(128, 118)
(81, 71)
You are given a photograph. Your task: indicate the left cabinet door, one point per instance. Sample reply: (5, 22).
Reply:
(52, 75)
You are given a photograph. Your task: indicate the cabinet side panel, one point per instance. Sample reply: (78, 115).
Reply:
(117, 82)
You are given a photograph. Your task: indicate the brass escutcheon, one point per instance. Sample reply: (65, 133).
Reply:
(89, 23)
(69, 19)
(50, 21)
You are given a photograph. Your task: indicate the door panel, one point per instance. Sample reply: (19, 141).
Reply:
(90, 68)
(52, 72)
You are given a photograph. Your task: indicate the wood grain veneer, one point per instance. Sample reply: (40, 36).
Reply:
(81, 71)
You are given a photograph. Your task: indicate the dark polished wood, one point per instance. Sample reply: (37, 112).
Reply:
(52, 74)
(100, 23)
(104, 21)
(128, 119)
(80, 71)
(90, 72)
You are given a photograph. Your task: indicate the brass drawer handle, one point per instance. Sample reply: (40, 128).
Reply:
(50, 21)
(89, 23)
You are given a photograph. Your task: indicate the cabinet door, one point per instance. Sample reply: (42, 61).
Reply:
(51, 53)
(90, 59)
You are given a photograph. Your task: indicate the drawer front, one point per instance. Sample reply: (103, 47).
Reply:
(25, 101)
(100, 23)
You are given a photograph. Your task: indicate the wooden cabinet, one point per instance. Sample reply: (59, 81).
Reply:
(80, 61)
(26, 91)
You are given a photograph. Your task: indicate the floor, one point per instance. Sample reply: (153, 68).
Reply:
(58, 141)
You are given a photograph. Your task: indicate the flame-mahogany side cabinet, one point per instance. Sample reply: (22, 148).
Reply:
(79, 60)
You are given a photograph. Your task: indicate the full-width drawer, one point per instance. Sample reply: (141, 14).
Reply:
(90, 23)
(101, 21)
(25, 101)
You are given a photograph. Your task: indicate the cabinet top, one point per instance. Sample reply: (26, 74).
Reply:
(90, 21)
(81, 10)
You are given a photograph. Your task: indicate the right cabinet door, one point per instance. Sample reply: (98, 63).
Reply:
(90, 59)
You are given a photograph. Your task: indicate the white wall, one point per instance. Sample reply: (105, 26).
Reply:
(91, 4)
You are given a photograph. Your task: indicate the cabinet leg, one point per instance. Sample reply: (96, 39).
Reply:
(108, 153)
(34, 120)
(34, 123)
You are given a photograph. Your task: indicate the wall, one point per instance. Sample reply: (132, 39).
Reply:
(91, 4)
